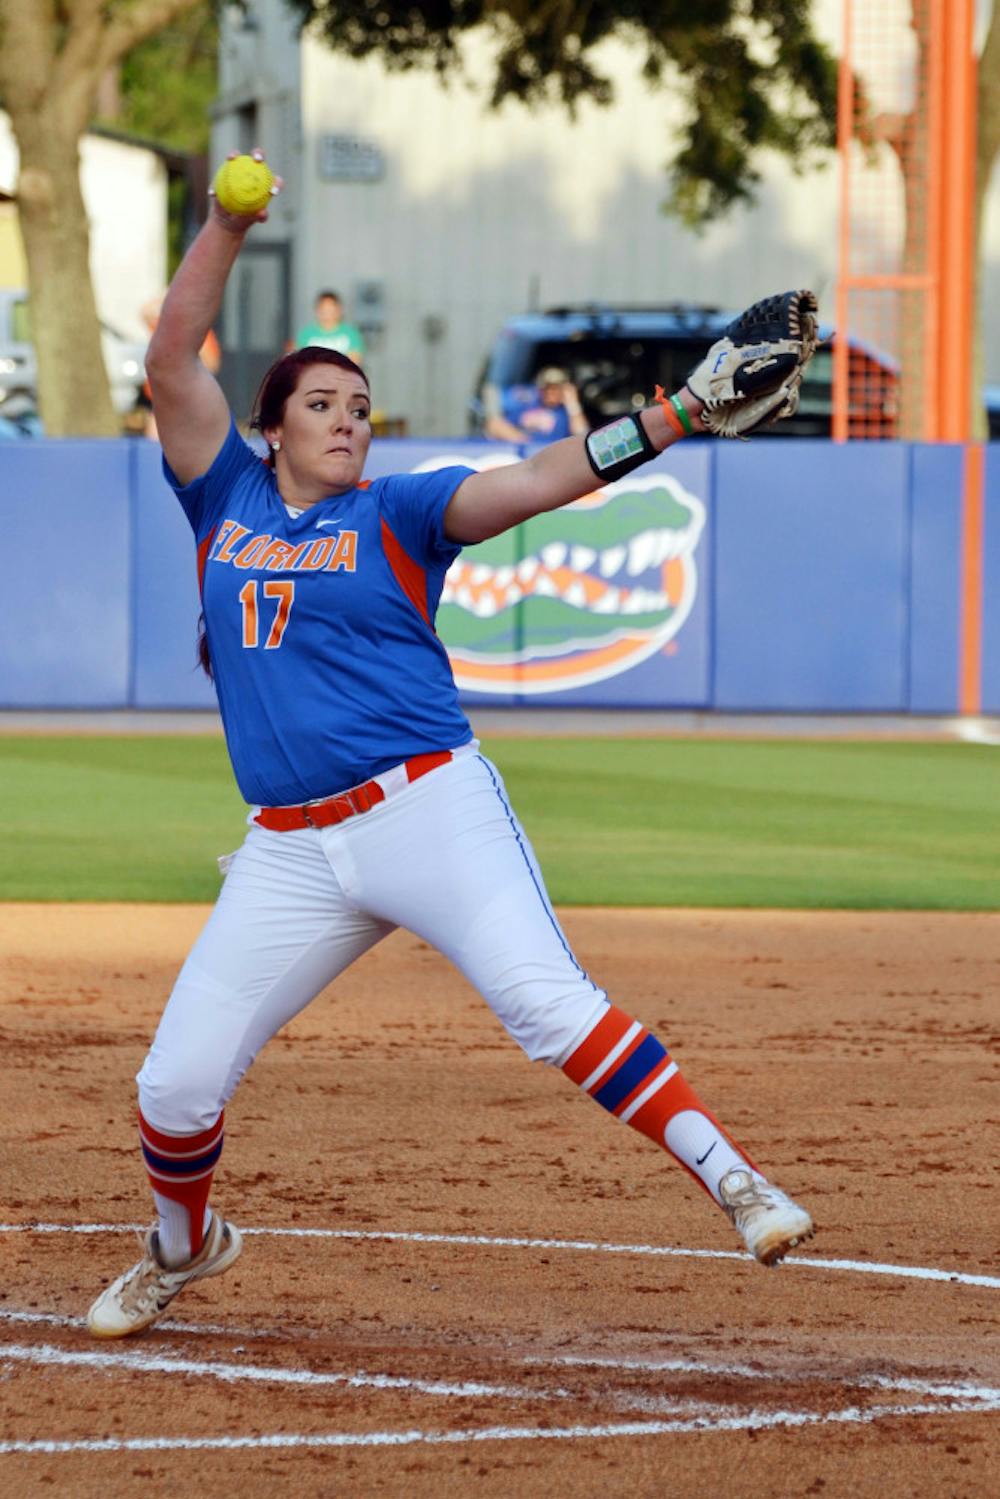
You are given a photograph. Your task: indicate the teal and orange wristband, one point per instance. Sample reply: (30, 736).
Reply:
(675, 412)
(616, 449)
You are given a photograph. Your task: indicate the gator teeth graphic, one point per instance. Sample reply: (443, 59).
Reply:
(642, 552)
(565, 572)
(599, 586)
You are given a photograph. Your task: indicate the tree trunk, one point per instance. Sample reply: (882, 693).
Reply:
(51, 61)
(74, 398)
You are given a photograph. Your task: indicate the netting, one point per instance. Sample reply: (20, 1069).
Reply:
(902, 213)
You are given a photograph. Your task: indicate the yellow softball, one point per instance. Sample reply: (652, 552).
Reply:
(243, 185)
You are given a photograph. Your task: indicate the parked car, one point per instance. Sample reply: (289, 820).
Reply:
(616, 355)
(19, 418)
(123, 357)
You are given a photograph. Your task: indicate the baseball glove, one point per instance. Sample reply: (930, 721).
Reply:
(750, 377)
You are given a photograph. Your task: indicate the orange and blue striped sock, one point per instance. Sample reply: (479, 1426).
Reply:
(180, 1170)
(631, 1074)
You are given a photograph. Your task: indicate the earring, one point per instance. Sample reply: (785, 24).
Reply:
(276, 446)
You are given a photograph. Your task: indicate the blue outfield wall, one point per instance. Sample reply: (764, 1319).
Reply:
(164, 595)
(785, 576)
(66, 515)
(991, 576)
(812, 577)
(935, 578)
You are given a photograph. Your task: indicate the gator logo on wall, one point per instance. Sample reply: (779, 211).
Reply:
(577, 595)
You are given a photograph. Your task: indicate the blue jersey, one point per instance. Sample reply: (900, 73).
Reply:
(523, 407)
(321, 627)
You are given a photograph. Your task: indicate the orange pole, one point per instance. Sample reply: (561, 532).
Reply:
(970, 634)
(958, 154)
(845, 132)
(935, 150)
(914, 281)
(955, 312)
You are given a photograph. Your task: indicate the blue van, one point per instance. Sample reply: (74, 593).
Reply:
(617, 355)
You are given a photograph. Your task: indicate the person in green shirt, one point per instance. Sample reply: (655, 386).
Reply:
(329, 331)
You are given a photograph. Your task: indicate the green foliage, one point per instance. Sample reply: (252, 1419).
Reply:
(167, 85)
(751, 72)
(630, 822)
(168, 82)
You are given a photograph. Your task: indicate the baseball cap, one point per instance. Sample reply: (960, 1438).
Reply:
(551, 375)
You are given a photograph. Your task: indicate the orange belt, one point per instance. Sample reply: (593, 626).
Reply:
(334, 809)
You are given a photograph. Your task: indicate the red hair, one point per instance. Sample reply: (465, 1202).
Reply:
(282, 379)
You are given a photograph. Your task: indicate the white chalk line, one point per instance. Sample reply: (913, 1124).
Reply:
(189, 1329)
(960, 1391)
(585, 1246)
(688, 1414)
(721, 1421)
(235, 1373)
(165, 1363)
(135, 1362)
(645, 1366)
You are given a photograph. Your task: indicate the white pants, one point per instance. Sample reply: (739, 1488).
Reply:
(446, 858)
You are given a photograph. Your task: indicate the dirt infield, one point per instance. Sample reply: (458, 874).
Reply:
(462, 1278)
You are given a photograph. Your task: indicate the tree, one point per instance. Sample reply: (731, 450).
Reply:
(751, 72)
(167, 85)
(53, 54)
(163, 91)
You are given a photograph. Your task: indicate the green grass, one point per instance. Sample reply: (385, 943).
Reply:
(646, 822)
(797, 824)
(116, 819)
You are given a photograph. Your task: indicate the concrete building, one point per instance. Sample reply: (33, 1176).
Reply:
(125, 192)
(13, 271)
(437, 219)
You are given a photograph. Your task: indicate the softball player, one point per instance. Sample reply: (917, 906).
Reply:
(371, 805)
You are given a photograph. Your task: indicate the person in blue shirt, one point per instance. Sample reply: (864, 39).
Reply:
(370, 804)
(545, 412)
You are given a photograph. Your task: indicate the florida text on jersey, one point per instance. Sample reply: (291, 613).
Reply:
(321, 625)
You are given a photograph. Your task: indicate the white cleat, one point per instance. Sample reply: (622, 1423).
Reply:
(137, 1298)
(766, 1218)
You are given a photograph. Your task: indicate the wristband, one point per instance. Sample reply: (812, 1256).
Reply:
(671, 418)
(676, 413)
(615, 450)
